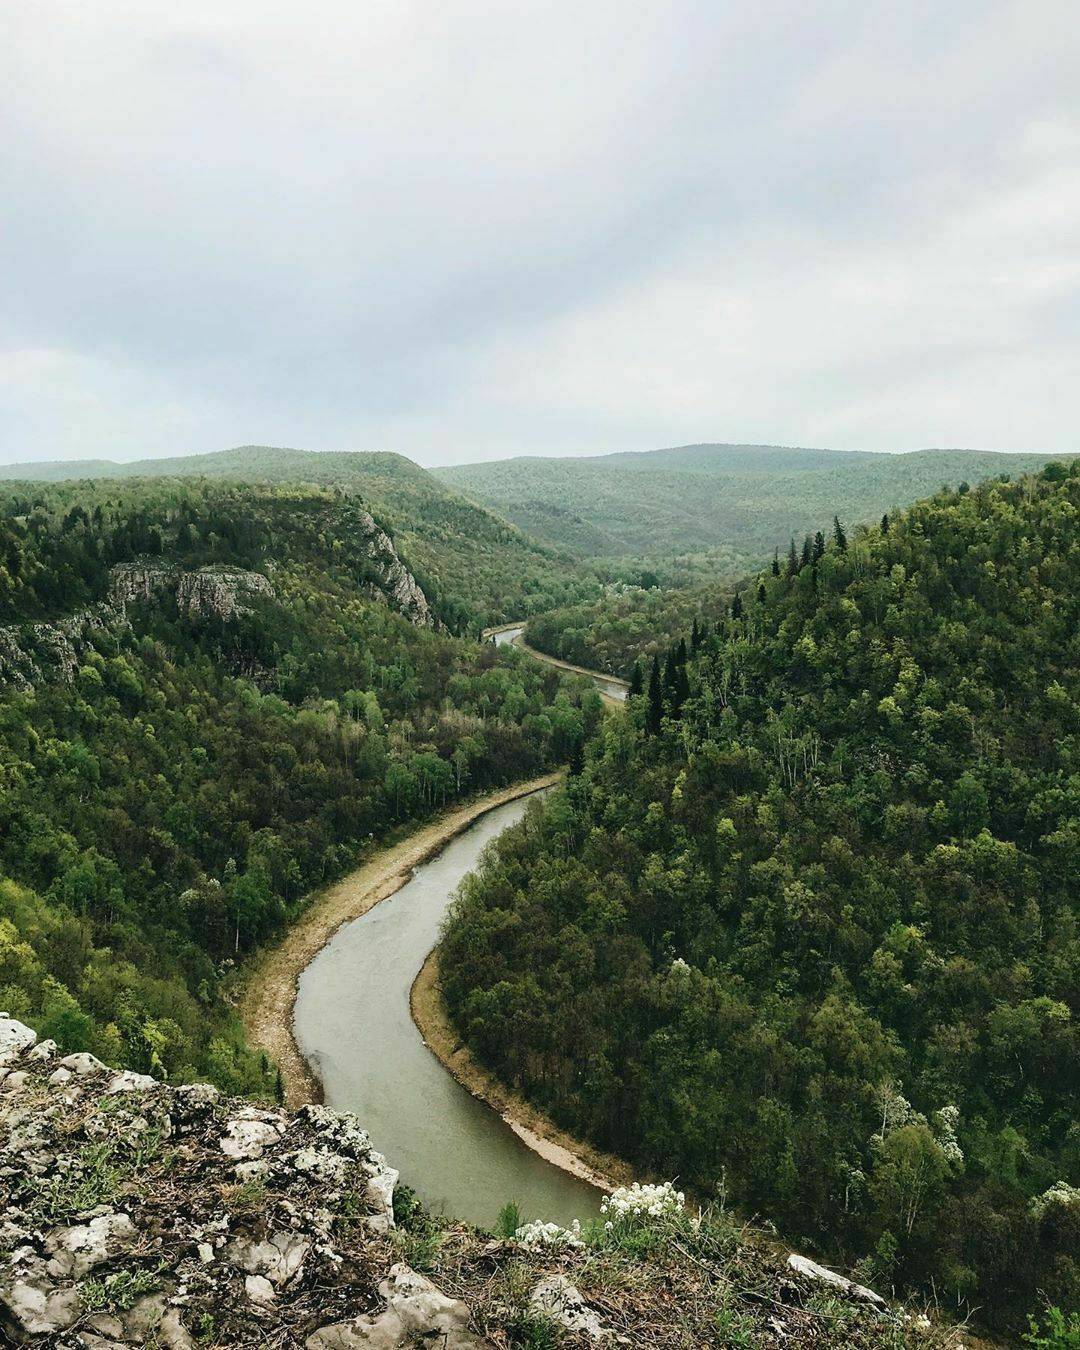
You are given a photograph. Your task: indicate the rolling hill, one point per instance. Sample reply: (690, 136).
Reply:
(749, 498)
(478, 568)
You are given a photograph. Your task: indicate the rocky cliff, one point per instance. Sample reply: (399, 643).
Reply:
(30, 652)
(134, 1213)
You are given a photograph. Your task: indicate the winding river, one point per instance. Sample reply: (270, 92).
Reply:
(352, 1023)
(609, 685)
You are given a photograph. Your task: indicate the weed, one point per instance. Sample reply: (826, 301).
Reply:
(509, 1220)
(119, 1291)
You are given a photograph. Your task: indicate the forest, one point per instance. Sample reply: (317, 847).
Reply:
(737, 502)
(167, 804)
(482, 569)
(802, 929)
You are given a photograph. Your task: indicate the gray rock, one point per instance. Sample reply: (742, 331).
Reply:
(560, 1300)
(279, 1258)
(15, 1038)
(81, 1064)
(77, 1250)
(30, 1303)
(802, 1265)
(250, 1134)
(416, 1311)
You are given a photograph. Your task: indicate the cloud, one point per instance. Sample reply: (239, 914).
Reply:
(478, 229)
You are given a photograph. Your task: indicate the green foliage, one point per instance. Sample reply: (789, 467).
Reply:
(169, 807)
(118, 1291)
(807, 920)
(740, 501)
(1059, 1331)
(509, 1220)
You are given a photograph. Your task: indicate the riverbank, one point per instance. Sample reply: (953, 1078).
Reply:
(269, 991)
(429, 1012)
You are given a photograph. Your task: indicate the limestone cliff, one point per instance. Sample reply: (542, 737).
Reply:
(134, 1213)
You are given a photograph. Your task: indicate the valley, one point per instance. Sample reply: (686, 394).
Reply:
(268, 740)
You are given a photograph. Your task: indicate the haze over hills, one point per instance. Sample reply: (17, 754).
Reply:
(749, 498)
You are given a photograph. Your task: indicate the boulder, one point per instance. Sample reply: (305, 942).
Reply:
(560, 1300)
(75, 1251)
(416, 1312)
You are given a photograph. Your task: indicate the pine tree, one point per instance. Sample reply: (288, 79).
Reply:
(885, 523)
(819, 546)
(695, 637)
(761, 593)
(807, 552)
(654, 714)
(838, 534)
(736, 606)
(792, 560)
(637, 683)
(776, 562)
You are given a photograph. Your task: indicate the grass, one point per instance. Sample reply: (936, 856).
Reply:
(119, 1291)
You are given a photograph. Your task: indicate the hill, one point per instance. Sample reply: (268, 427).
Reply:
(476, 567)
(806, 925)
(213, 697)
(749, 499)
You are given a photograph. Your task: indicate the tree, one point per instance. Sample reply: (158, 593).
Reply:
(839, 537)
(637, 680)
(776, 562)
(654, 715)
(793, 560)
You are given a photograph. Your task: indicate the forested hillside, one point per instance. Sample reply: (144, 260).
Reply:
(805, 927)
(481, 569)
(212, 698)
(745, 500)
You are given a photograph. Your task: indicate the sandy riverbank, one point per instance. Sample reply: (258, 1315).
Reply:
(530, 1125)
(269, 990)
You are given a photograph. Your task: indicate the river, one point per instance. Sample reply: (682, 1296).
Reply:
(352, 1023)
(607, 684)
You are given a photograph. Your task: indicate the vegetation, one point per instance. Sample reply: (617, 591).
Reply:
(629, 625)
(481, 569)
(168, 806)
(805, 926)
(741, 501)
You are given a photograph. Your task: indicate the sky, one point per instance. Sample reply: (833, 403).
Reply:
(464, 231)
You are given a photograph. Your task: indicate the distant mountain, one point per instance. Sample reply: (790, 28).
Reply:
(750, 498)
(481, 568)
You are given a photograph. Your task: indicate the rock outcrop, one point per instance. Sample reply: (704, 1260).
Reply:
(29, 653)
(138, 1214)
(133, 1213)
(395, 585)
(211, 592)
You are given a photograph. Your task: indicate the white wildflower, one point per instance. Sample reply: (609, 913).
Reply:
(549, 1235)
(1060, 1193)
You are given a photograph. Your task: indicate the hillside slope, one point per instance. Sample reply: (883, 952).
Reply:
(477, 568)
(807, 924)
(212, 698)
(748, 498)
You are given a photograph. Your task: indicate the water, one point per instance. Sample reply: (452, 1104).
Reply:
(352, 1022)
(613, 688)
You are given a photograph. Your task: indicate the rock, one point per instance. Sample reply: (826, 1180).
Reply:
(59, 1077)
(250, 1134)
(382, 1179)
(82, 1063)
(320, 1164)
(259, 1289)
(32, 1305)
(279, 1257)
(416, 1312)
(560, 1300)
(126, 1081)
(77, 1250)
(14, 1081)
(42, 1051)
(802, 1265)
(15, 1037)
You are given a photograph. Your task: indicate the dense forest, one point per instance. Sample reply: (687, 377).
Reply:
(627, 626)
(804, 927)
(482, 569)
(177, 778)
(739, 501)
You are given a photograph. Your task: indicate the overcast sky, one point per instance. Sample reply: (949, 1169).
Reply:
(466, 230)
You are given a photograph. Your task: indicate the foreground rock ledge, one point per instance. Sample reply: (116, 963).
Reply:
(134, 1213)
